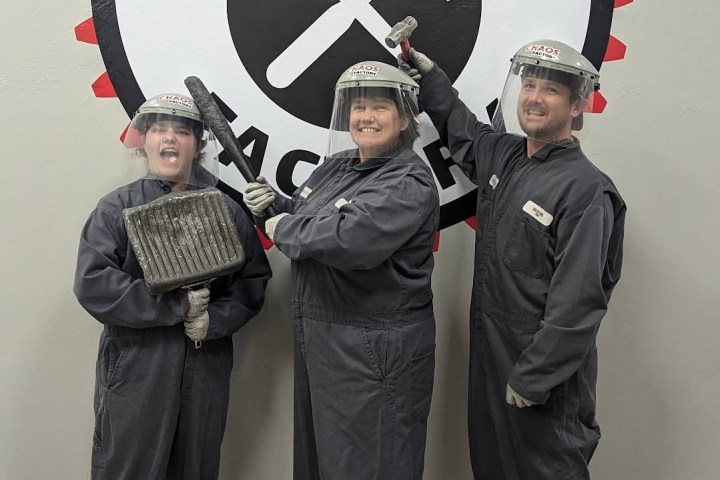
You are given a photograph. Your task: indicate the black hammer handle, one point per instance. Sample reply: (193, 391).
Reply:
(219, 125)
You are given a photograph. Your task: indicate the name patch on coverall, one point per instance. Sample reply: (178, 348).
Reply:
(494, 180)
(535, 211)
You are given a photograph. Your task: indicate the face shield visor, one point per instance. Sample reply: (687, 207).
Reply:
(172, 145)
(544, 103)
(373, 119)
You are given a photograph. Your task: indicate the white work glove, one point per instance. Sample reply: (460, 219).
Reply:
(417, 66)
(196, 328)
(513, 398)
(197, 301)
(271, 224)
(258, 196)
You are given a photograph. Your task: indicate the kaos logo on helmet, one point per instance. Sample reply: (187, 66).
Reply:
(273, 64)
(543, 51)
(370, 70)
(178, 100)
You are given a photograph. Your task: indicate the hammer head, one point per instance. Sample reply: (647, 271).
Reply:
(401, 31)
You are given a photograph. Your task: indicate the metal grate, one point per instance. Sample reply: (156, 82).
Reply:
(184, 238)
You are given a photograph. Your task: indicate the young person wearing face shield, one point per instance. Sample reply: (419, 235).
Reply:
(359, 233)
(548, 255)
(160, 402)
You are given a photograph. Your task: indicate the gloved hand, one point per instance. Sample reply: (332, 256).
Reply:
(198, 301)
(271, 223)
(417, 66)
(513, 398)
(258, 196)
(196, 328)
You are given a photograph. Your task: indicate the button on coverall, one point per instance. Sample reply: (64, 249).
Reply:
(160, 403)
(548, 253)
(360, 239)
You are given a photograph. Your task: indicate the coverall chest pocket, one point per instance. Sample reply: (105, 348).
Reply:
(524, 250)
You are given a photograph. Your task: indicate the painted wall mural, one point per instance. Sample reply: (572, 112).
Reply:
(272, 65)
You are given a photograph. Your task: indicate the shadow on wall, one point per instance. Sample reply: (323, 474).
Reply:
(447, 455)
(50, 391)
(638, 425)
(258, 436)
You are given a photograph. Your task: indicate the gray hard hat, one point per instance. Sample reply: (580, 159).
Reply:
(168, 106)
(376, 74)
(382, 80)
(558, 61)
(373, 80)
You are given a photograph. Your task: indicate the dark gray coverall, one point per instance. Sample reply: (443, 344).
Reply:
(542, 282)
(360, 237)
(160, 404)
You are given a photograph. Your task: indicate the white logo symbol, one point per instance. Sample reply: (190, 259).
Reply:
(319, 36)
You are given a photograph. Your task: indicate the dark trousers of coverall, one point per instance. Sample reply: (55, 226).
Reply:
(362, 398)
(160, 405)
(554, 441)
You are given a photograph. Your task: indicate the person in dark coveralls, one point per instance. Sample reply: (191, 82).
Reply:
(160, 402)
(548, 255)
(360, 233)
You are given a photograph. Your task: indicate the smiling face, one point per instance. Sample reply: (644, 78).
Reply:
(375, 125)
(545, 110)
(171, 147)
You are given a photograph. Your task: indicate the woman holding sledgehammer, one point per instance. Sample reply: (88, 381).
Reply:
(360, 233)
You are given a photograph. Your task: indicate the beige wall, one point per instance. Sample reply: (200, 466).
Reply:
(659, 388)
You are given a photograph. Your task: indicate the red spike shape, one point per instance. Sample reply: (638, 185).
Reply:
(472, 222)
(266, 243)
(615, 50)
(85, 32)
(596, 104)
(124, 133)
(436, 242)
(103, 87)
(130, 138)
(620, 3)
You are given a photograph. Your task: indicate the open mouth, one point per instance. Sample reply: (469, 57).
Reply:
(369, 129)
(169, 154)
(531, 112)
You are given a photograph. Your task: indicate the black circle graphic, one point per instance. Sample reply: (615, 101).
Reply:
(263, 29)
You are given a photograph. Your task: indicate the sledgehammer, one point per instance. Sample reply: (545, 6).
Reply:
(400, 34)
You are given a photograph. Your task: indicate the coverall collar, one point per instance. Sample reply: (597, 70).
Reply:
(553, 149)
(166, 185)
(376, 162)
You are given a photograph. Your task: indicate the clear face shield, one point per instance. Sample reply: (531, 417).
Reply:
(173, 148)
(373, 121)
(543, 103)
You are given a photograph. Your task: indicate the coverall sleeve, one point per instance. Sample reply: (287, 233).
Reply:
(283, 204)
(110, 295)
(471, 143)
(365, 232)
(239, 297)
(577, 301)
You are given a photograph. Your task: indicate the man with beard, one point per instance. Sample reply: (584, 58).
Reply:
(548, 255)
